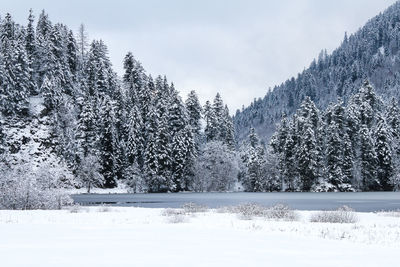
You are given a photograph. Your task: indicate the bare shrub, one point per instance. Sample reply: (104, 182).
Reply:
(191, 207)
(343, 214)
(393, 213)
(281, 212)
(23, 187)
(249, 210)
(172, 212)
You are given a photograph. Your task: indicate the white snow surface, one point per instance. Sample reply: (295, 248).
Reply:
(111, 236)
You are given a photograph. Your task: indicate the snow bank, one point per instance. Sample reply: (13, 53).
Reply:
(108, 236)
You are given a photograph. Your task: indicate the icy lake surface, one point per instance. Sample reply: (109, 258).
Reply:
(363, 202)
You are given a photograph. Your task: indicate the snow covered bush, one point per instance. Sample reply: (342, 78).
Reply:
(172, 212)
(89, 172)
(26, 187)
(245, 211)
(249, 210)
(343, 214)
(194, 208)
(216, 169)
(281, 212)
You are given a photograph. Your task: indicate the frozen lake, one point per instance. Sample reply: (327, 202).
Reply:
(363, 202)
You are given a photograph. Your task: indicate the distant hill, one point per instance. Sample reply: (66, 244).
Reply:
(373, 53)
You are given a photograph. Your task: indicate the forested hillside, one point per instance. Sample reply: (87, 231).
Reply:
(63, 109)
(371, 53)
(342, 148)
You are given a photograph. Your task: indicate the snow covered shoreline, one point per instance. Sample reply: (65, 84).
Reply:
(114, 236)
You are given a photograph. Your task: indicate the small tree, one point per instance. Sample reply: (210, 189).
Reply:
(216, 169)
(89, 172)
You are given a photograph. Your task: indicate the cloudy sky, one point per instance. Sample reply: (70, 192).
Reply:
(239, 48)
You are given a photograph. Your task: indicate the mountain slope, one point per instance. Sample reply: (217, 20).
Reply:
(373, 53)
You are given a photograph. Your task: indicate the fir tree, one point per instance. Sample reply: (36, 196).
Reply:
(88, 128)
(135, 144)
(211, 122)
(384, 155)
(227, 131)
(30, 45)
(15, 82)
(108, 144)
(194, 111)
(368, 160)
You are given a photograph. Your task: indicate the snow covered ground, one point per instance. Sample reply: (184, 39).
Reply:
(103, 236)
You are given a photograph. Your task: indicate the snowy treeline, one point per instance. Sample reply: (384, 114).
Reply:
(68, 120)
(372, 53)
(343, 148)
(63, 106)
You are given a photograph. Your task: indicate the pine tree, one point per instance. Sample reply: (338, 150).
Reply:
(194, 111)
(51, 91)
(182, 158)
(2, 139)
(289, 165)
(72, 55)
(101, 80)
(135, 143)
(338, 148)
(108, 144)
(227, 131)
(308, 151)
(368, 160)
(219, 115)
(177, 116)
(283, 145)
(348, 161)
(82, 45)
(88, 128)
(384, 155)
(334, 156)
(30, 45)
(393, 121)
(15, 83)
(157, 151)
(255, 176)
(307, 158)
(134, 78)
(43, 56)
(211, 122)
(253, 138)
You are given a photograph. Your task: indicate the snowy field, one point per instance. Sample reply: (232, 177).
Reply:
(104, 236)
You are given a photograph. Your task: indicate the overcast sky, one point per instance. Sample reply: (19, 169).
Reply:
(239, 48)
